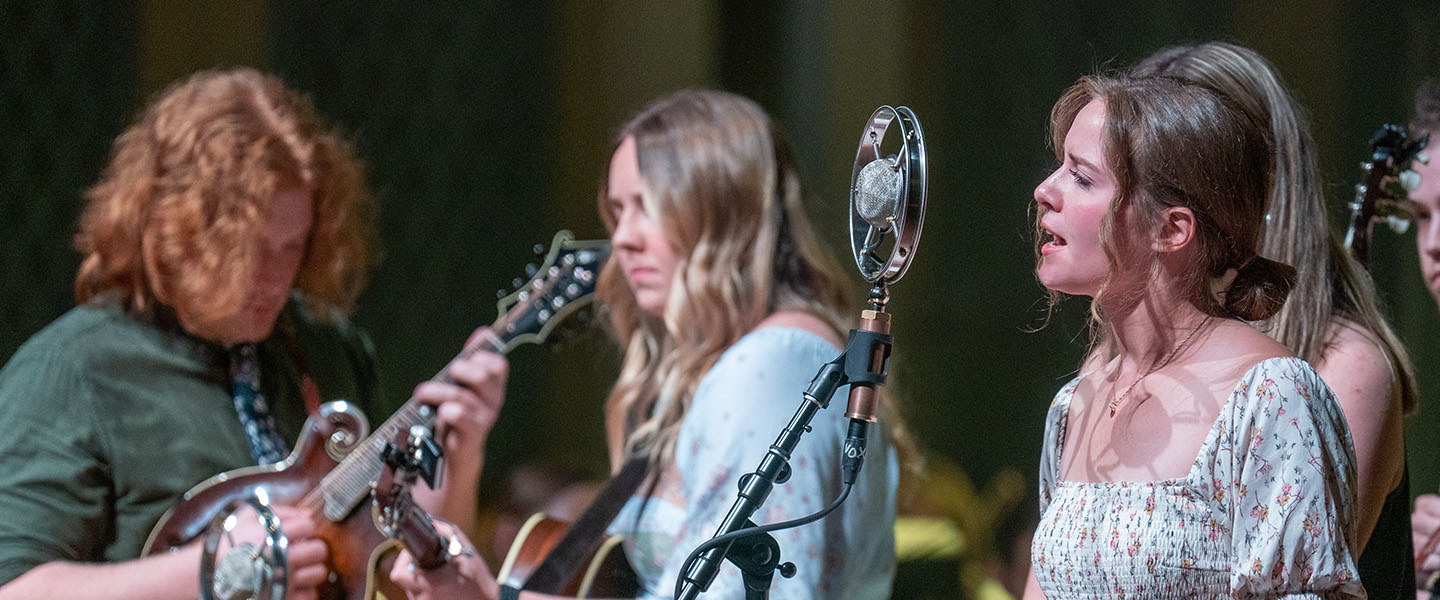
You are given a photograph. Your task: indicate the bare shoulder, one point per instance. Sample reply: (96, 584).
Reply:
(1240, 346)
(803, 321)
(1350, 343)
(1356, 368)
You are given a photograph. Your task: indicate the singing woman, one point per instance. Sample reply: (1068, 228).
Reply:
(1194, 456)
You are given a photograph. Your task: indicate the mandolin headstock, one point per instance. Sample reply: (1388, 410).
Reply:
(561, 286)
(1383, 194)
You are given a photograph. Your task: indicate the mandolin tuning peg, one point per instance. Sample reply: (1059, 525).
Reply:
(500, 294)
(531, 270)
(517, 282)
(539, 249)
(1409, 179)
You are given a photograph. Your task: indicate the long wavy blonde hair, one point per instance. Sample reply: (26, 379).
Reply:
(1330, 284)
(178, 216)
(726, 189)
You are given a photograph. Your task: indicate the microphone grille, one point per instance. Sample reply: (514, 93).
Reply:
(877, 192)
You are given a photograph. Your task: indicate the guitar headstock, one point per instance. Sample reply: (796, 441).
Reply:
(412, 453)
(562, 285)
(1383, 195)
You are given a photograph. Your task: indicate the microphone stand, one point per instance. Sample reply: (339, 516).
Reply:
(864, 364)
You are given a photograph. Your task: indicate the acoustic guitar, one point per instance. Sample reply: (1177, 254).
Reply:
(604, 573)
(335, 463)
(412, 454)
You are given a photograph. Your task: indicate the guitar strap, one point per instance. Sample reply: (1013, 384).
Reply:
(586, 534)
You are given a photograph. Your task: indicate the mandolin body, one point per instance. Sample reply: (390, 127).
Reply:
(355, 544)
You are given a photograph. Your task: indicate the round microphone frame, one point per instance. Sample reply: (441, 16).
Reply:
(904, 229)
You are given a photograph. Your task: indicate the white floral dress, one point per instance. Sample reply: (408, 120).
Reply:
(1266, 511)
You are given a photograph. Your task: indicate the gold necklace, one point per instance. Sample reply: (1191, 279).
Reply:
(1116, 400)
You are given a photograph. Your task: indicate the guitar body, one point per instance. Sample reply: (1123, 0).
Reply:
(607, 574)
(356, 546)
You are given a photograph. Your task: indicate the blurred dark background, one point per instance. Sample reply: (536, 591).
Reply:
(484, 127)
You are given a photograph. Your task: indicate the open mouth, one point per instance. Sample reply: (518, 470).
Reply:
(1051, 240)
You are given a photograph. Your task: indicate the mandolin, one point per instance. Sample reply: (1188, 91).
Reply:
(1383, 193)
(336, 461)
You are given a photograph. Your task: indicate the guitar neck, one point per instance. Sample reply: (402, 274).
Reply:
(345, 486)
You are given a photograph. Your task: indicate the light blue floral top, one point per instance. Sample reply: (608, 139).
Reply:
(739, 409)
(1266, 511)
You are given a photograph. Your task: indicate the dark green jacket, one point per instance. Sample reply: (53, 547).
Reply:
(108, 419)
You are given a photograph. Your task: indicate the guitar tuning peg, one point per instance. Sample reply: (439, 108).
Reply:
(517, 282)
(500, 294)
(539, 249)
(531, 270)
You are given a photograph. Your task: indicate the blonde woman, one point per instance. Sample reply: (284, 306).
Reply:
(1331, 318)
(726, 308)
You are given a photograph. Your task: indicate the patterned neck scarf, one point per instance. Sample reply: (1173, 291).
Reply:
(266, 445)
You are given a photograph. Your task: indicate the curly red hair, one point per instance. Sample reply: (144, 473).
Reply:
(179, 214)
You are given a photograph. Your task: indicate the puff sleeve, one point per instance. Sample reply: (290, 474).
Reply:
(1289, 464)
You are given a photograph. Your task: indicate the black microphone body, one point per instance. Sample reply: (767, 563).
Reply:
(864, 395)
(863, 404)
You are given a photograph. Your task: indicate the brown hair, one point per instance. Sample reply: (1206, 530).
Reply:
(726, 189)
(178, 216)
(1169, 143)
(1329, 283)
